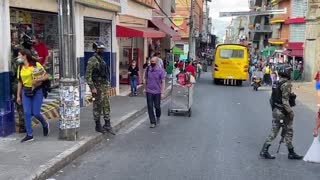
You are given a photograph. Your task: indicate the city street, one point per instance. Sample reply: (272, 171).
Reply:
(221, 141)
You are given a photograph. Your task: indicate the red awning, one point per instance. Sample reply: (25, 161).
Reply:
(294, 52)
(123, 31)
(295, 21)
(297, 53)
(295, 45)
(158, 22)
(286, 52)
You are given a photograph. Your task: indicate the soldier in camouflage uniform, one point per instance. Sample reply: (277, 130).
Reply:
(97, 76)
(14, 88)
(282, 111)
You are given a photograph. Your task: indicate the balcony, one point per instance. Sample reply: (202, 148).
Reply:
(278, 41)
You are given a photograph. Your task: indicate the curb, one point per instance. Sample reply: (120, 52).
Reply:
(60, 161)
(54, 165)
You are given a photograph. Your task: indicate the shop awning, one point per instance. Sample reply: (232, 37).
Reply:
(268, 51)
(158, 22)
(294, 52)
(177, 51)
(297, 53)
(123, 31)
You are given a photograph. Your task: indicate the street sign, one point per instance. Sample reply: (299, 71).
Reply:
(253, 13)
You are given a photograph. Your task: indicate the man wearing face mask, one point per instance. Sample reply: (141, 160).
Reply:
(97, 76)
(155, 89)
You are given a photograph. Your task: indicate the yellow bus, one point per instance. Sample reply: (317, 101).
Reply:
(231, 64)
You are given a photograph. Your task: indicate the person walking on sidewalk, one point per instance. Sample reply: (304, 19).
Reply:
(133, 73)
(31, 74)
(155, 89)
(97, 76)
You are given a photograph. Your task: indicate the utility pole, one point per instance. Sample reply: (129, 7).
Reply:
(191, 53)
(69, 81)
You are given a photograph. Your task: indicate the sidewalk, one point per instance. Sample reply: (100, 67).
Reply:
(306, 94)
(46, 155)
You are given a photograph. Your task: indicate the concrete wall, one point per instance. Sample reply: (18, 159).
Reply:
(312, 43)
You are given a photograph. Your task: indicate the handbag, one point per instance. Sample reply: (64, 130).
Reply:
(313, 154)
(29, 92)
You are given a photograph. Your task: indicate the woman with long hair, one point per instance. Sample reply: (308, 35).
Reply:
(31, 74)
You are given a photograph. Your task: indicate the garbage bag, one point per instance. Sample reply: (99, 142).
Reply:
(313, 154)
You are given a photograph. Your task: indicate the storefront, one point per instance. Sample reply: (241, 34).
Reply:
(132, 47)
(133, 35)
(94, 20)
(44, 25)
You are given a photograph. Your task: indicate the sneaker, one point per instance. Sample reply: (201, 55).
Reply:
(152, 125)
(46, 130)
(158, 120)
(27, 139)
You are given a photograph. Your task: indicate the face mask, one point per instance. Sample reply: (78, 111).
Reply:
(100, 52)
(153, 64)
(20, 61)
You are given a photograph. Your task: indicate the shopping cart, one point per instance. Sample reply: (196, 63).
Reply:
(181, 98)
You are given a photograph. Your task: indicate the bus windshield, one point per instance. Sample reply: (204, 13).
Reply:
(231, 54)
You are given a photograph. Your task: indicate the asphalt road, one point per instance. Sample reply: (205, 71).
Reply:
(221, 141)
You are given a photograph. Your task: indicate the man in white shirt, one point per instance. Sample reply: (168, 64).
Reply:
(160, 61)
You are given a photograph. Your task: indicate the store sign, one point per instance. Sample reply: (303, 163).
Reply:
(110, 5)
(149, 3)
(178, 20)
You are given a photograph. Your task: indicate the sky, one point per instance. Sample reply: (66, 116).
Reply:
(219, 24)
(227, 5)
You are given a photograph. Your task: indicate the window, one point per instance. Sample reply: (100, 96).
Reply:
(231, 53)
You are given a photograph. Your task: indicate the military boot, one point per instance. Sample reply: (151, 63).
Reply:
(108, 128)
(265, 152)
(99, 128)
(292, 155)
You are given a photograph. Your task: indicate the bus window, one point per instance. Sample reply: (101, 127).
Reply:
(231, 53)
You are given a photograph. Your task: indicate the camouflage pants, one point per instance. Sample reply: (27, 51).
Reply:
(20, 121)
(277, 115)
(101, 104)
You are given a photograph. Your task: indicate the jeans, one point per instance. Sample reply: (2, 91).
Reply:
(153, 101)
(32, 107)
(133, 83)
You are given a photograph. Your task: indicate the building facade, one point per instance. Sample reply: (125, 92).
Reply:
(260, 29)
(312, 40)
(94, 21)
